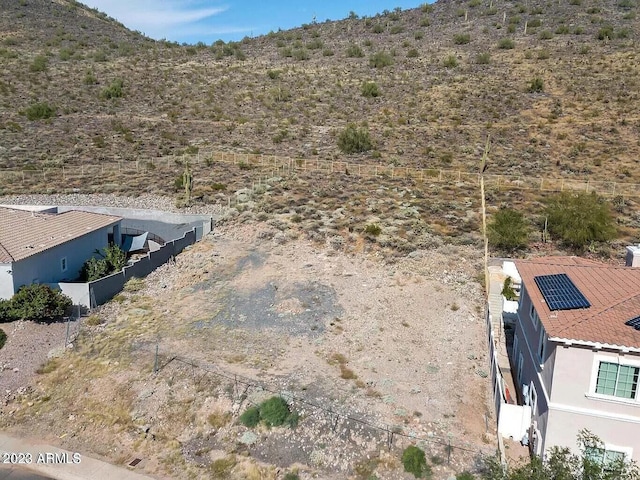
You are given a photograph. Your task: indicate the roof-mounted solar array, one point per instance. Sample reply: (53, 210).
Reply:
(634, 322)
(560, 293)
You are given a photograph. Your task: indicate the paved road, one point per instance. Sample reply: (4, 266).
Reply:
(53, 463)
(19, 473)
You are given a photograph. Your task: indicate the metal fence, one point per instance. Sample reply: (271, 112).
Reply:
(162, 165)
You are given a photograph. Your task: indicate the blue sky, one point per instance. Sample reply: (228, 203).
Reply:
(192, 21)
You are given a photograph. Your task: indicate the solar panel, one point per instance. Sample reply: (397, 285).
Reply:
(560, 293)
(634, 322)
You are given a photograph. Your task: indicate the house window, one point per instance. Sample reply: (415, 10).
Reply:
(542, 343)
(534, 317)
(617, 380)
(63, 264)
(609, 458)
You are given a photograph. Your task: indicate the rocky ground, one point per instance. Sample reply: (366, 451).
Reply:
(361, 346)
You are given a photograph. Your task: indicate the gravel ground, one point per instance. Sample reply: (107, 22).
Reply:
(146, 201)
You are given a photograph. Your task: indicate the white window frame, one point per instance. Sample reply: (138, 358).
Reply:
(64, 264)
(620, 360)
(535, 319)
(626, 451)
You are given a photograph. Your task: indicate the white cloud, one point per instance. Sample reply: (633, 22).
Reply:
(157, 18)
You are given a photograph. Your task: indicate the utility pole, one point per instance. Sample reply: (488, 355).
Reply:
(483, 167)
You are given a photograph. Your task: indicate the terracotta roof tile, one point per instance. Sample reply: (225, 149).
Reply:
(614, 294)
(24, 233)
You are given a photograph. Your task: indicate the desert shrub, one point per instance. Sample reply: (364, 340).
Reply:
(40, 111)
(536, 85)
(396, 29)
(377, 28)
(274, 74)
(413, 53)
(354, 51)
(3, 338)
(274, 412)
(354, 140)
(291, 476)
(380, 60)
(508, 230)
(461, 38)
(562, 30)
(370, 89)
(415, 462)
(327, 52)
(90, 78)
(465, 476)
(450, 62)
(483, 58)
(506, 44)
(373, 229)
(546, 35)
(115, 90)
(39, 302)
(134, 284)
(579, 218)
(300, 54)
(605, 33)
(218, 419)
(39, 64)
(251, 417)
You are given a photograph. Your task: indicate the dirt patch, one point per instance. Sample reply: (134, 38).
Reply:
(372, 354)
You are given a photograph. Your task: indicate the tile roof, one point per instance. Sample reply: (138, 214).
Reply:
(614, 294)
(24, 233)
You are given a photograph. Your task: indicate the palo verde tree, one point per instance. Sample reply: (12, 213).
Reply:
(508, 230)
(579, 218)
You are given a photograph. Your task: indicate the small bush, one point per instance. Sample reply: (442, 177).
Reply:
(380, 60)
(461, 38)
(506, 44)
(370, 90)
(115, 90)
(373, 229)
(3, 338)
(451, 61)
(40, 111)
(38, 303)
(465, 476)
(218, 419)
(39, 64)
(536, 85)
(377, 28)
(274, 74)
(483, 58)
(415, 462)
(354, 140)
(507, 290)
(274, 412)
(413, 53)
(354, 51)
(251, 417)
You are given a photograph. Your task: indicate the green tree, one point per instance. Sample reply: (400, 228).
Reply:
(113, 260)
(560, 463)
(508, 230)
(354, 140)
(39, 302)
(579, 218)
(3, 338)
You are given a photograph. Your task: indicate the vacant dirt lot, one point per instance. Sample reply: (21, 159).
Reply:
(374, 356)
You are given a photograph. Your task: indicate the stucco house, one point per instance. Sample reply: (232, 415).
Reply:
(38, 247)
(576, 353)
